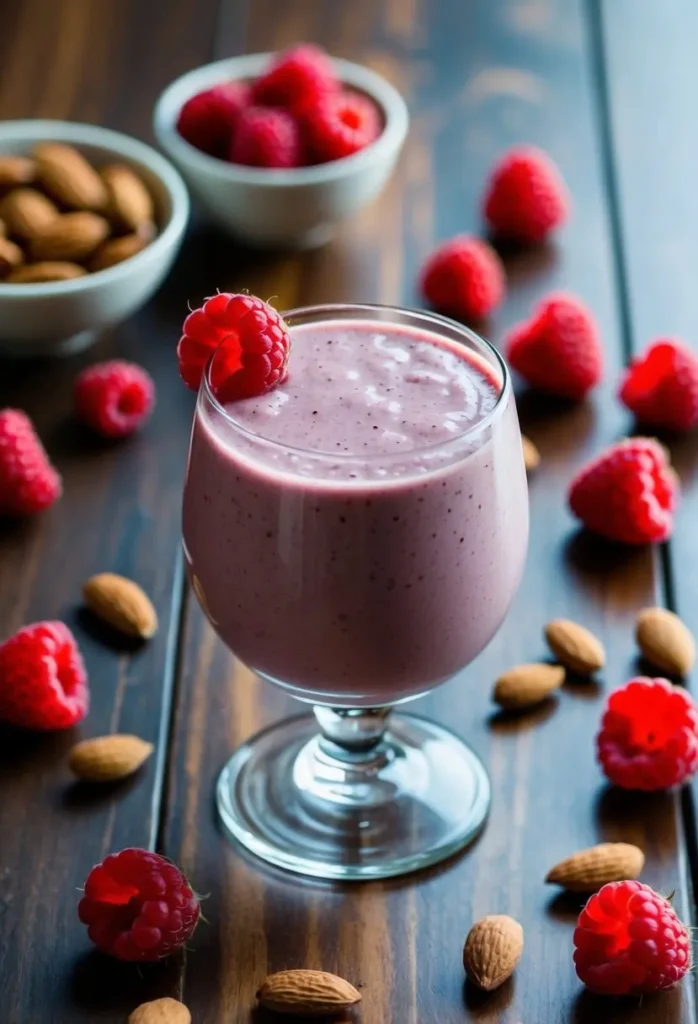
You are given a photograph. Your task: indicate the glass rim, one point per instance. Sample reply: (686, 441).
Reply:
(335, 311)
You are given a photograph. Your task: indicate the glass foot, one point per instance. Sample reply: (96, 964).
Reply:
(368, 797)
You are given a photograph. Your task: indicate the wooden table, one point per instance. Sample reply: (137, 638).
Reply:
(609, 90)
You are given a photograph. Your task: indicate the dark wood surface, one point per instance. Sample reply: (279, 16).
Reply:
(478, 76)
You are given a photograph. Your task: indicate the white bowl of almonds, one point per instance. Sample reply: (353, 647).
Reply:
(90, 222)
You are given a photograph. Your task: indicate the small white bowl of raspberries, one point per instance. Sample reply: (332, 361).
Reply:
(280, 147)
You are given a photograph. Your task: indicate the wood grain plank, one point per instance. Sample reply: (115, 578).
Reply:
(102, 62)
(477, 77)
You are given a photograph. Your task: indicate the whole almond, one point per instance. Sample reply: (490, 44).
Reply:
(10, 256)
(122, 604)
(72, 236)
(525, 685)
(27, 212)
(116, 250)
(38, 273)
(161, 1011)
(492, 950)
(16, 170)
(307, 993)
(588, 870)
(531, 454)
(665, 641)
(108, 758)
(575, 646)
(129, 203)
(68, 177)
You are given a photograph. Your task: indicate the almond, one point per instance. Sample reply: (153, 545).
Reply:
(71, 236)
(67, 176)
(575, 647)
(531, 454)
(129, 202)
(27, 212)
(665, 641)
(38, 273)
(492, 950)
(307, 993)
(161, 1011)
(16, 170)
(121, 603)
(108, 758)
(3, 228)
(116, 250)
(10, 256)
(526, 685)
(588, 870)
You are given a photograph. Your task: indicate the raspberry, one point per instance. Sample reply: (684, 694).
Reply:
(629, 941)
(43, 683)
(207, 120)
(28, 481)
(297, 80)
(649, 735)
(250, 342)
(138, 906)
(266, 138)
(627, 493)
(558, 350)
(341, 125)
(114, 398)
(526, 197)
(463, 277)
(661, 386)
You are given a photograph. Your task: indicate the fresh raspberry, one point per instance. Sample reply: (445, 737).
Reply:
(558, 350)
(266, 138)
(463, 277)
(649, 735)
(627, 493)
(526, 197)
(341, 125)
(43, 683)
(28, 481)
(208, 119)
(250, 342)
(138, 906)
(298, 80)
(114, 398)
(629, 941)
(661, 386)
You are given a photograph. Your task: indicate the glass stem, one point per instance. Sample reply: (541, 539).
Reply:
(351, 734)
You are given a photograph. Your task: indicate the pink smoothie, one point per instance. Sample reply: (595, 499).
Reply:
(349, 534)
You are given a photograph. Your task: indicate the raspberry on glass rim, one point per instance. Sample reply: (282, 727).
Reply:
(246, 341)
(630, 941)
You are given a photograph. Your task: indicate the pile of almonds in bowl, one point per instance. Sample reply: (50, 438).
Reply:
(61, 218)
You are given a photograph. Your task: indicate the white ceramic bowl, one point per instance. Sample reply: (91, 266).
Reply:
(60, 317)
(295, 208)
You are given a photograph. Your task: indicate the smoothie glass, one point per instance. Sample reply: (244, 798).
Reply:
(357, 582)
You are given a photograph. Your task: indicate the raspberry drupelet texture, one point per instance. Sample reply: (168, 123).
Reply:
(660, 387)
(559, 349)
(340, 125)
(43, 683)
(208, 120)
(250, 341)
(526, 197)
(28, 481)
(649, 735)
(296, 80)
(265, 137)
(114, 398)
(627, 493)
(138, 906)
(629, 941)
(463, 277)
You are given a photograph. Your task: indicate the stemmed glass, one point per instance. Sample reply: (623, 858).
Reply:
(343, 580)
